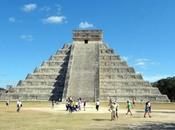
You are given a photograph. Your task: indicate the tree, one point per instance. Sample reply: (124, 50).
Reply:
(166, 86)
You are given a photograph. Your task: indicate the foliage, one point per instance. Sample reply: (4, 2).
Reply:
(166, 86)
(2, 89)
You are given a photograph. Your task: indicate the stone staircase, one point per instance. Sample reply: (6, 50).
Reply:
(83, 74)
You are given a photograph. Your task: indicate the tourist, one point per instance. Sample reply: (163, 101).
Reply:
(117, 109)
(84, 105)
(19, 105)
(129, 106)
(97, 105)
(147, 109)
(133, 102)
(7, 103)
(110, 101)
(112, 109)
(52, 103)
(67, 105)
(79, 104)
(73, 106)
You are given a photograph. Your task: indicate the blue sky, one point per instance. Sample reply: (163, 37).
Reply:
(141, 31)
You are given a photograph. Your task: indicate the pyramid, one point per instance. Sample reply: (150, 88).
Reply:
(89, 69)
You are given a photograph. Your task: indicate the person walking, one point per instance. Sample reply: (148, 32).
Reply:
(19, 105)
(7, 103)
(112, 109)
(84, 105)
(147, 109)
(97, 105)
(129, 106)
(117, 109)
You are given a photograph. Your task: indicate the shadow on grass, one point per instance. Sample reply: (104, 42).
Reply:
(156, 126)
(149, 126)
(101, 119)
(157, 111)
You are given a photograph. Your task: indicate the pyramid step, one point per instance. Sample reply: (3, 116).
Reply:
(109, 57)
(33, 87)
(29, 97)
(106, 51)
(63, 51)
(108, 83)
(121, 63)
(55, 63)
(117, 76)
(30, 82)
(126, 87)
(46, 76)
(123, 81)
(59, 58)
(121, 86)
(39, 90)
(50, 69)
(138, 98)
(117, 70)
(128, 91)
(128, 94)
(113, 67)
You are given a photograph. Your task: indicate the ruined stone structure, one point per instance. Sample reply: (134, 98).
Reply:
(89, 69)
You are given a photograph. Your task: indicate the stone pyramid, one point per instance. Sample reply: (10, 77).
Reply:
(89, 69)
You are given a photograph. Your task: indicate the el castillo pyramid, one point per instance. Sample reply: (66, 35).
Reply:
(87, 68)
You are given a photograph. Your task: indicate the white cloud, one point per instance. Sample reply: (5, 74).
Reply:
(26, 37)
(12, 19)
(85, 24)
(55, 20)
(29, 7)
(143, 62)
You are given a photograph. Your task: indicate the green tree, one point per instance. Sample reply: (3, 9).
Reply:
(166, 86)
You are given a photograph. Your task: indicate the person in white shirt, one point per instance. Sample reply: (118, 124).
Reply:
(97, 105)
(114, 110)
(18, 105)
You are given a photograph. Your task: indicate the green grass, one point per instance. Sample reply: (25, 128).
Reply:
(38, 120)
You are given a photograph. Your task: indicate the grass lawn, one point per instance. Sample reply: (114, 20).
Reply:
(42, 120)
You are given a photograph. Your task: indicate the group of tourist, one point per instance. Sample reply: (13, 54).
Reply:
(18, 104)
(114, 107)
(75, 105)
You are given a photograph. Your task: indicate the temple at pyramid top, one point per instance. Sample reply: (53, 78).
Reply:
(87, 35)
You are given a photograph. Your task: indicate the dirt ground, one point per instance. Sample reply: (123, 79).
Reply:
(41, 116)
